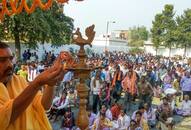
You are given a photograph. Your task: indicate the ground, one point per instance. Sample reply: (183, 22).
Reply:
(181, 123)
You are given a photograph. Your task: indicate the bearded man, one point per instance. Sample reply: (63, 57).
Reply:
(22, 104)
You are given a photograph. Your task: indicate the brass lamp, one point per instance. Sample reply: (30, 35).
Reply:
(82, 71)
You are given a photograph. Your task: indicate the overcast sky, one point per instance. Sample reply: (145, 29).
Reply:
(126, 13)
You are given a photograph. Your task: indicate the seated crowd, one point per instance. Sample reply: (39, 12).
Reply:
(128, 92)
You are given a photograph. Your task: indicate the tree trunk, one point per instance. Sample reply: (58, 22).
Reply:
(170, 51)
(185, 51)
(17, 41)
(17, 47)
(156, 51)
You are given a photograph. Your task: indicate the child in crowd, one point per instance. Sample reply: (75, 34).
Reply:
(68, 122)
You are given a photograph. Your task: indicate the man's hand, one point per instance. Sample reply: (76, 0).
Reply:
(65, 56)
(49, 77)
(52, 75)
(69, 61)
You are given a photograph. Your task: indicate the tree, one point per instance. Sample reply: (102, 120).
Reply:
(50, 26)
(169, 38)
(157, 31)
(136, 50)
(183, 32)
(137, 36)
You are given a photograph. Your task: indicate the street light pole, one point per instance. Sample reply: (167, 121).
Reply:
(107, 30)
(106, 36)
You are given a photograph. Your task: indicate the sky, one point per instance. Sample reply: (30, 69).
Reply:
(125, 13)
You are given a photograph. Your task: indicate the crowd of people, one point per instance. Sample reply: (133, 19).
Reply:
(127, 91)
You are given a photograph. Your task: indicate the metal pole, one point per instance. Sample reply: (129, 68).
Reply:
(107, 28)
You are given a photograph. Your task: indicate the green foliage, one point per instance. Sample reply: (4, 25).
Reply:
(170, 26)
(136, 50)
(50, 26)
(136, 43)
(164, 29)
(137, 36)
(61, 27)
(172, 32)
(183, 32)
(157, 31)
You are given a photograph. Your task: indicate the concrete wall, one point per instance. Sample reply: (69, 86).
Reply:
(165, 51)
(41, 48)
(100, 49)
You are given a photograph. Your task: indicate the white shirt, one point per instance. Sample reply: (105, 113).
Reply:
(32, 58)
(112, 70)
(144, 115)
(95, 89)
(151, 114)
(62, 105)
(124, 71)
(108, 114)
(123, 122)
(68, 76)
(107, 76)
(186, 105)
(185, 61)
(40, 67)
(32, 74)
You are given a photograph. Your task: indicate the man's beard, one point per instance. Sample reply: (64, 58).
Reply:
(7, 74)
(9, 71)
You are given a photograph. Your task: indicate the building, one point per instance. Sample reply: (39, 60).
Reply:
(121, 34)
(109, 41)
(116, 38)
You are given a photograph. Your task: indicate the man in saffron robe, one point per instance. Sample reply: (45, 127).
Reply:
(129, 86)
(22, 105)
(116, 84)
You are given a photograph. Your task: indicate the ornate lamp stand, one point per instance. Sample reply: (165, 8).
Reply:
(82, 71)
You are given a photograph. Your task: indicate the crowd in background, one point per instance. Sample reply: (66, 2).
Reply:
(127, 91)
